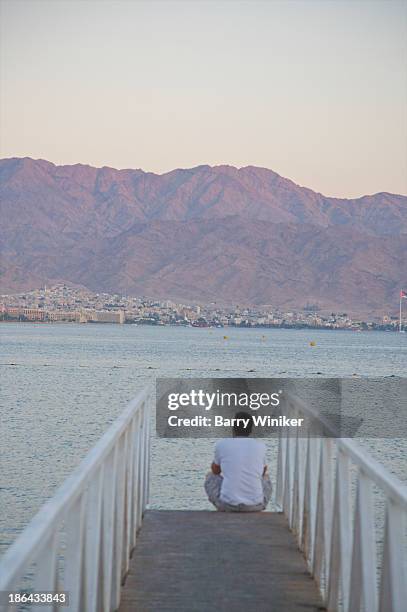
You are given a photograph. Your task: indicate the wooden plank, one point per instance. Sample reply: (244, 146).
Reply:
(199, 561)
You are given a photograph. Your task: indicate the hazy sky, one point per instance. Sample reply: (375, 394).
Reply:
(315, 90)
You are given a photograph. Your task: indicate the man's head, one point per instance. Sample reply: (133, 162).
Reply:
(239, 429)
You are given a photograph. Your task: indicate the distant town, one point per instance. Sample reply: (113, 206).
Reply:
(63, 303)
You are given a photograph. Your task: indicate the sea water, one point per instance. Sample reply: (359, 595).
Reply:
(62, 385)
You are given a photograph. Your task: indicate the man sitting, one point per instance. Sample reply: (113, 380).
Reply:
(238, 481)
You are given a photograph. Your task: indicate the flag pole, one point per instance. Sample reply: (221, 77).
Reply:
(400, 313)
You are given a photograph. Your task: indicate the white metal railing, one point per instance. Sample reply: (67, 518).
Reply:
(328, 488)
(82, 538)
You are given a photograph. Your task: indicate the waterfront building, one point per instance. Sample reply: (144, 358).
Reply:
(61, 315)
(108, 316)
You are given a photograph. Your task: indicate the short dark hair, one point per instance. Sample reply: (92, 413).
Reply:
(239, 429)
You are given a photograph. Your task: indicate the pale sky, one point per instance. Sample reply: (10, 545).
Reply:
(315, 90)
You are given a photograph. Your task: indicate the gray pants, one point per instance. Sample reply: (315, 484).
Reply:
(213, 483)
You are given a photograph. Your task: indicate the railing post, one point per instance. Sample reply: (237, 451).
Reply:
(147, 455)
(295, 518)
(136, 461)
(109, 493)
(328, 504)
(340, 554)
(306, 512)
(140, 460)
(93, 537)
(46, 578)
(74, 554)
(132, 487)
(363, 573)
(313, 469)
(287, 479)
(393, 588)
(128, 501)
(280, 471)
(119, 523)
(319, 521)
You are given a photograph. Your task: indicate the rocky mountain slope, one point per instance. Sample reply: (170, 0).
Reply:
(205, 234)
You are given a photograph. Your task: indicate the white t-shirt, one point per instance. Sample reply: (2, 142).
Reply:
(242, 462)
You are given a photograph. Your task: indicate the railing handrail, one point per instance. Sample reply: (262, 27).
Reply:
(377, 472)
(22, 552)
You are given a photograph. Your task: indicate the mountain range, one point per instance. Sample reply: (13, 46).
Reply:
(206, 234)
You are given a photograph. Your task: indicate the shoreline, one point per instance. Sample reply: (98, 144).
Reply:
(231, 327)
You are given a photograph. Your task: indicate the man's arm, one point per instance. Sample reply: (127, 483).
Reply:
(264, 461)
(215, 468)
(216, 463)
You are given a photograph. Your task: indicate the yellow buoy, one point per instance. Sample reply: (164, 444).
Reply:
(225, 337)
(312, 343)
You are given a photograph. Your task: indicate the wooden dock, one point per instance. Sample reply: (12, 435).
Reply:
(203, 561)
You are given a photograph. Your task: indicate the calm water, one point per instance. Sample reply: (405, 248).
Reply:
(62, 385)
